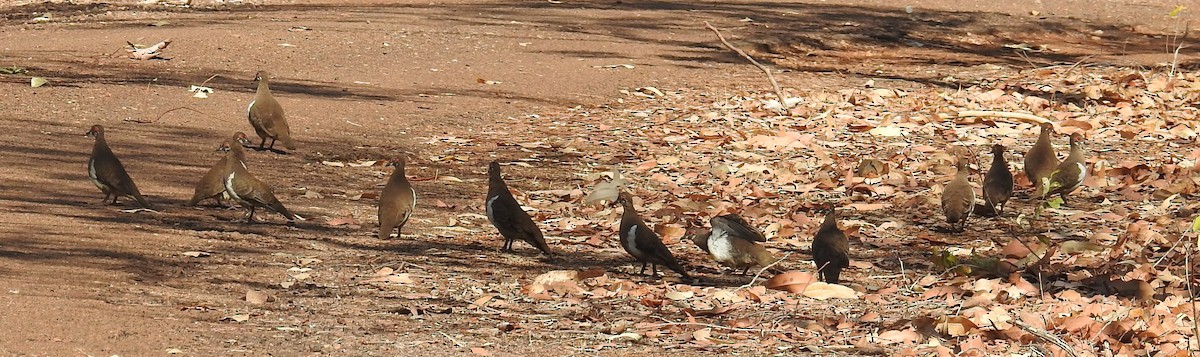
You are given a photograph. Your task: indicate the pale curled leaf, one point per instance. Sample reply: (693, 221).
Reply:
(822, 291)
(258, 297)
(607, 190)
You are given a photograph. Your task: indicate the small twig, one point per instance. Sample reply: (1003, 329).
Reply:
(1010, 115)
(770, 77)
(1187, 271)
(1085, 58)
(741, 329)
(452, 339)
(136, 210)
(760, 271)
(209, 79)
(1047, 337)
(168, 111)
(1175, 60)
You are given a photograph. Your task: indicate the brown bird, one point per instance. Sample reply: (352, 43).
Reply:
(245, 188)
(1040, 160)
(212, 185)
(958, 198)
(830, 249)
(731, 242)
(641, 242)
(1070, 173)
(107, 173)
(266, 116)
(998, 183)
(397, 201)
(507, 215)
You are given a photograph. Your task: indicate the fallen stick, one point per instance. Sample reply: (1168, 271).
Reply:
(992, 114)
(1046, 336)
(760, 271)
(770, 77)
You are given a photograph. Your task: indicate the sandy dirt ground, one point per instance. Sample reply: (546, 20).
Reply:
(453, 85)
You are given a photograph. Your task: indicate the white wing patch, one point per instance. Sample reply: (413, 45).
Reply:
(490, 211)
(92, 174)
(229, 187)
(413, 205)
(631, 241)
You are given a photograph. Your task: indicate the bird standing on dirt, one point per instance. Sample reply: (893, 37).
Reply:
(245, 188)
(266, 116)
(1040, 160)
(998, 183)
(212, 185)
(958, 198)
(830, 249)
(731, 242)
(107, 173)
(1070, 173)
(641, 242)
(507, 215)
(397, 201)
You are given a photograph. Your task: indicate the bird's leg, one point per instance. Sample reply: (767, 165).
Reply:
(654, 270)
(643, 271)
(250, 216)
(262, 143)
(272, 143)
(746, 270)
(115, 197)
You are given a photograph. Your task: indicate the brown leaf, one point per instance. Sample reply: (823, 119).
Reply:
(258, 297)
(794, 281)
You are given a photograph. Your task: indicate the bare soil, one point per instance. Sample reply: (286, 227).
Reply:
(454, 85)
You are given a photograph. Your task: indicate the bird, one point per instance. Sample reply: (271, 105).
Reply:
(1070, 173)
(1040, 160)
(212, 184)
(998, 183)
(397, 201)
(731, 242)
(266, 116)
(245, 188)
(642, 243)
(830, 249)
(107, 173)
(507, 215)
(958, 198)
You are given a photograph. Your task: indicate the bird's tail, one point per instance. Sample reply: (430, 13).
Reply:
(141, 201)
(195, 199)
(288, 142)
(540, 244)
(278, 207)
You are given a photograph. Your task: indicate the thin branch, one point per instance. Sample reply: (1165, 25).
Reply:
(1010, 115)
(770, 77)
(1187, 271)
(742, 329)
(760, 271)
(1047, 337)
(168, 111)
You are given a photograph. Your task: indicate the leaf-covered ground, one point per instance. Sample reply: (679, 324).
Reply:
(567, 96)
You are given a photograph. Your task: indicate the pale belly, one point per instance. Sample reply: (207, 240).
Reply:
(720, 247)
